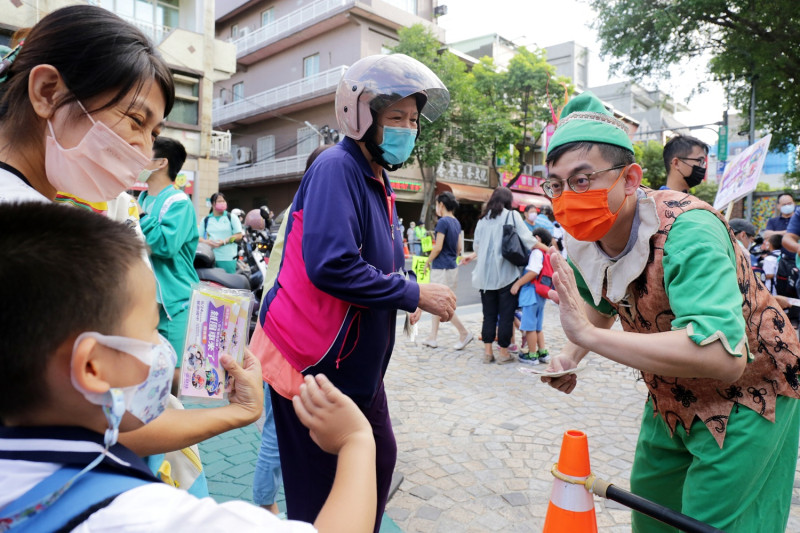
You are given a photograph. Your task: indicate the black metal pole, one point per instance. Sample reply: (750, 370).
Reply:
(659, 512)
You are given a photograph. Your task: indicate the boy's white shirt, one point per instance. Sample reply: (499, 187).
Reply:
(535, 261)
(152, 507)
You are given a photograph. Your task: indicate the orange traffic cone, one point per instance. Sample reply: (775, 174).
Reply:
(571, 508)
(406, 253)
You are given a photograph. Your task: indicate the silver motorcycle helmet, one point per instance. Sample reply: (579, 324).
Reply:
(376, 82)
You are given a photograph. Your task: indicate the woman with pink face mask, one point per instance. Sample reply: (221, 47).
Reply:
(82, 99)
(222, 231)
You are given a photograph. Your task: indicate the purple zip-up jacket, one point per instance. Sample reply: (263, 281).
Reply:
(334, 304)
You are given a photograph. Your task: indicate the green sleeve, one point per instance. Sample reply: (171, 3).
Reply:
(604, 308)
(701, 281)
(165, 237)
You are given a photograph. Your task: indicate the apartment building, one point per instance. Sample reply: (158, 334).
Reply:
(279, 105)
(183, 30)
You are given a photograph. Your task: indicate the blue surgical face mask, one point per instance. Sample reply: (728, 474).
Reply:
(397, 144)
(787, 209)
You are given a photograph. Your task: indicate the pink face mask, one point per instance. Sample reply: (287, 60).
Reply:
(102, 166)
(221, 206)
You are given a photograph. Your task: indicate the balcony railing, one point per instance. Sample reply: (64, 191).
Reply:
(286, 25)
(155, 32)
(221, 144)
(265, 169)
(299, 90)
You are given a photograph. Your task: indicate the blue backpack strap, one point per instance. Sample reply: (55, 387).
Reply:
(93, 488)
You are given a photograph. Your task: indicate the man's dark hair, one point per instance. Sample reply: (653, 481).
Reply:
(501, 199)
(173, 152)
(543, 235)
(776, 241)
(66, 273)
(528, 208)
(681, 146)
(448, 200)
(615, 155)
(782, 195)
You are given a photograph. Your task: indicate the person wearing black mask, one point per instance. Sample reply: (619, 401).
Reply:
(685, 159)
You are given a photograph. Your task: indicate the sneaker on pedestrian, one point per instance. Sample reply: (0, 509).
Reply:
(512, 348)
(431, 343)
(461, 344)
(529, 358)
(544, 355)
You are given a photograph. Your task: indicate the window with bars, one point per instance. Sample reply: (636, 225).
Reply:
(265, 148)
(267, 16)
(310, 65)
(238, 91)
(307, 140)
(186, 109)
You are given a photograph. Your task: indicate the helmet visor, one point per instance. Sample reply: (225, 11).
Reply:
(393, 77)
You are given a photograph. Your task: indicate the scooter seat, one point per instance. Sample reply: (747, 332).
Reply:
(221, 277)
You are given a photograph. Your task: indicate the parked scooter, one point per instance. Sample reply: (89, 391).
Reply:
(255, 246)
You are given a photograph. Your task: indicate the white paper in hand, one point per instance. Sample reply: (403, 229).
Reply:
(542, 371)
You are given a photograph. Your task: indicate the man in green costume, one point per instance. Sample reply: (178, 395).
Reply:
(719, 435)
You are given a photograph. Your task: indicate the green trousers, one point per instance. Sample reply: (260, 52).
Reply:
(745, 487)
(174, 330)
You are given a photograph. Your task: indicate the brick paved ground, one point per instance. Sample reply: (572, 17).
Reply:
(476, 442)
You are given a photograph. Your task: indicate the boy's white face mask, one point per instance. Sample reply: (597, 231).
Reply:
(147, 400)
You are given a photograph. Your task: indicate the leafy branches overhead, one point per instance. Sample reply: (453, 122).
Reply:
(650, 156)
(492, 111)
(749, 42)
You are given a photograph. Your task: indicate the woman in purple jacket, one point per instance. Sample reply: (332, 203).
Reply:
(333, 307)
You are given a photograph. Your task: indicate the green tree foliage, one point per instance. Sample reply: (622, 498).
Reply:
(706, 191)
(649, 155)
(457, 134)
(748, 41)
(492, 111)
(500, 130)
(526, 87)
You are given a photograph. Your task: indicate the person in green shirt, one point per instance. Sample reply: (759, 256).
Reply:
(717, 354)
(169, 224)
(222, 231)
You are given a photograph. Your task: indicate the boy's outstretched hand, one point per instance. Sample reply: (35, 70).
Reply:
(248, 385)
(332, 418)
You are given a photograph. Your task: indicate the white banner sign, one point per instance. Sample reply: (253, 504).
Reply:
(742, 173)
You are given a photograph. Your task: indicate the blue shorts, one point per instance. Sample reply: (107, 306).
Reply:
(533, 315)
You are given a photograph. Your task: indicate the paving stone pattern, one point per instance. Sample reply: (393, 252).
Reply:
(476, 442)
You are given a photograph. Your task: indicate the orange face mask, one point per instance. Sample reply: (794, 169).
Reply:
(586, 215)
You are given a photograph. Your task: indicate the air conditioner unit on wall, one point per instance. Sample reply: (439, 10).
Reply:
(243, 155)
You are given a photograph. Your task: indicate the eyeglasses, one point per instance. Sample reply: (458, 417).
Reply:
(699, 161)
(577, 182)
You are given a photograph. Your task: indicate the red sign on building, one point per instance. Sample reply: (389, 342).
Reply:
(524, 183)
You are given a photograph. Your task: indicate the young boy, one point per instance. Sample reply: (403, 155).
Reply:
(532, 304)
(79, 335)
(772, 247)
